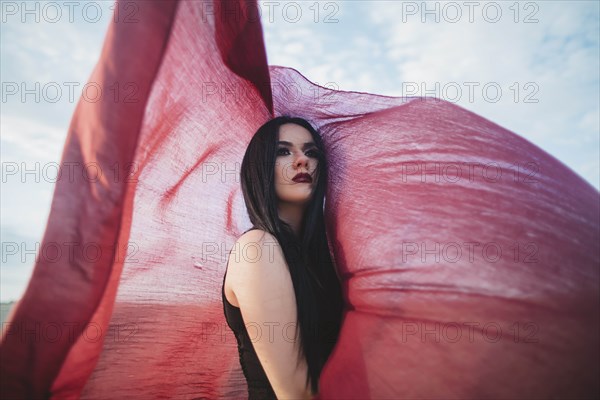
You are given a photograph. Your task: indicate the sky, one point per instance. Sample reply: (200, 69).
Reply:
(529, 66)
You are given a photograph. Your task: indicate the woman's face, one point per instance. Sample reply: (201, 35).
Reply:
(296, 154)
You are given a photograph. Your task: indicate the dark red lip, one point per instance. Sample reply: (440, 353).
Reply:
(302, 177)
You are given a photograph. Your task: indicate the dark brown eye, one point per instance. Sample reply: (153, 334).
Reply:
(312, 153)
(280, 151)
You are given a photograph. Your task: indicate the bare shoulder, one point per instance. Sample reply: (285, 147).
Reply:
(265, 293)
(257, 236)
(256, 255)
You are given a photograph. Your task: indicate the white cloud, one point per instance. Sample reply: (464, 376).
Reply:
(33, 140)
(553, 61)
(33, 132)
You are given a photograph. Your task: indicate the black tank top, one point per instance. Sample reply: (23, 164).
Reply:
(259, 386)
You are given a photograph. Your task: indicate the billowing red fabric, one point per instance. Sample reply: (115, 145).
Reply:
(469, 257)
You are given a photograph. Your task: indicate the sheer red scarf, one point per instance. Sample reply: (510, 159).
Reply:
(469, 256)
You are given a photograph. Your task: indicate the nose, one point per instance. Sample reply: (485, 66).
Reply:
(301, 161)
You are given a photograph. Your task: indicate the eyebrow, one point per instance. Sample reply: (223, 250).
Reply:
(304, 146)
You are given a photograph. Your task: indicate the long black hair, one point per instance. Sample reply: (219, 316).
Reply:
(316, 285)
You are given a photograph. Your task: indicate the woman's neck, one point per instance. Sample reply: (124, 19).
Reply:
(292, 214)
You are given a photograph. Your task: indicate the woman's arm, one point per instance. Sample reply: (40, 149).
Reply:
(263, 287)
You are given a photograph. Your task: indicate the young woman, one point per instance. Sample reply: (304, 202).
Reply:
(280, 283)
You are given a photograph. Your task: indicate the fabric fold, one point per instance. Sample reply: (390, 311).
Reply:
(469, 257)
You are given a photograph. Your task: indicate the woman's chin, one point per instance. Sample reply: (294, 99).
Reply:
(298, 196)
(297, 200)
